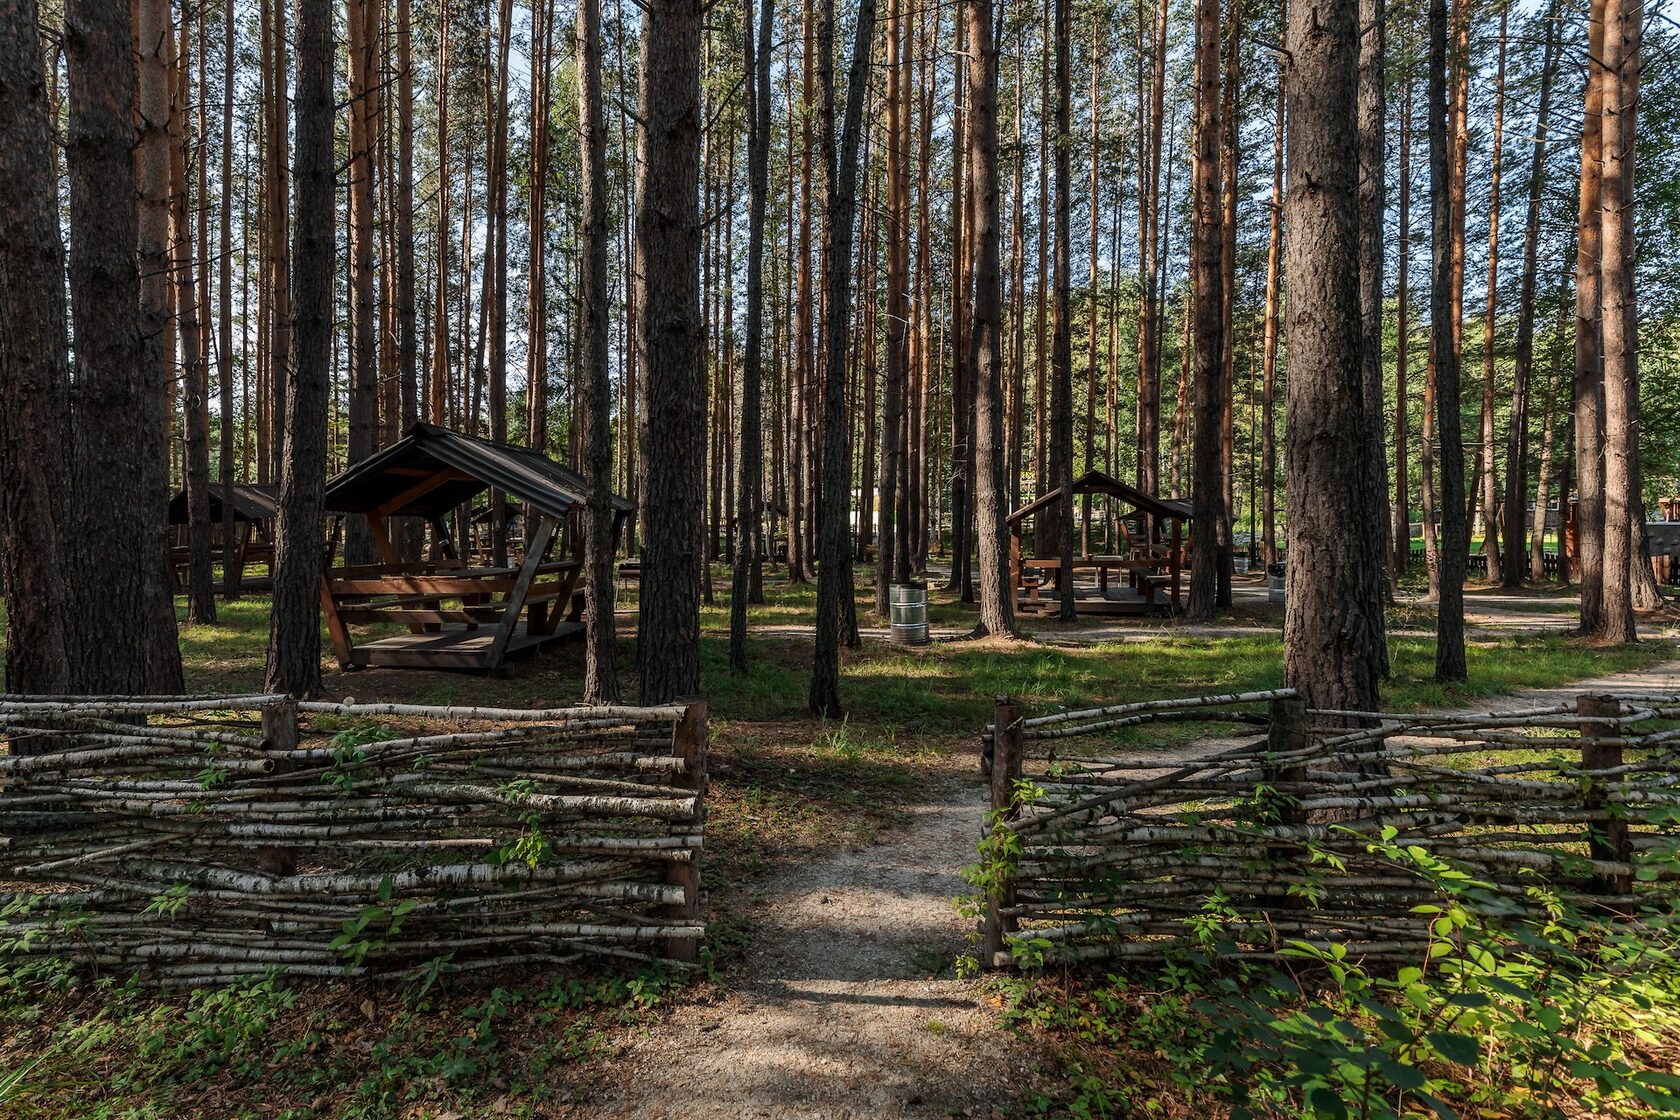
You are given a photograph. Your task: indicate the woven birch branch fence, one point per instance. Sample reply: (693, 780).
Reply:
(1280, 825)
(204, 840)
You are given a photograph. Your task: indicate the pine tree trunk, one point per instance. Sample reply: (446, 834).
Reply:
(231, 573)
(1589, 377)
(294, 643)
(997, 590)
(1487, 478)
(600, 682)
(195, 429)
(839, 175)
(363, 405)
(1331, 634)
(34, 349)
(1446, 249)
(1268, 359)
(1400, 536)
(1206, 251)
(1522, 374)
(891, 546)
(124, 640)
(749, 504)
(1057, 524)
(536, 320)
(670, 335)
(1373, 206)
(1622, 34)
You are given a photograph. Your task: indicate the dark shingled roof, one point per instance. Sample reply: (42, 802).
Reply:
(1096, 482)
(250, 503)
(426, 450)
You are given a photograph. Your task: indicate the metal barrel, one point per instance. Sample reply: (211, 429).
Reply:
(908, 605)
(1274, 583)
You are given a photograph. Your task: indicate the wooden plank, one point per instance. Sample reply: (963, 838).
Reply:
(343, 648)
(689, 743)
(537, 545)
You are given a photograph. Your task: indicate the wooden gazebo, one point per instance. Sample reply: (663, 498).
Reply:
(456, 616)
(254, 508)
(1152, 555)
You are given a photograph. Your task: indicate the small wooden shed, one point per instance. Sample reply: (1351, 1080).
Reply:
(254, 508)
(1152, 558)
(456, 616)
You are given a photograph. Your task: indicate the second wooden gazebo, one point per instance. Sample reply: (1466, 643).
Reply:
(456, 616)
(1152, 558)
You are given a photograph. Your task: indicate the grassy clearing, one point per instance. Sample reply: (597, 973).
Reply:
(785, 787)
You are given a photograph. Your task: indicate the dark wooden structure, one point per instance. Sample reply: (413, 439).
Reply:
(456, 616)
(1153, 555)
(254, 508)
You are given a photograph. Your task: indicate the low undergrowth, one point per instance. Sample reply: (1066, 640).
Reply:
(93, 1049)
(1538, 1008)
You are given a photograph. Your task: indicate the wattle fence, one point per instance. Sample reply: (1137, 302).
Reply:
(197, 841)
(1279, 825)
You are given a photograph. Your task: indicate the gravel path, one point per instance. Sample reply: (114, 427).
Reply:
(848, 1008)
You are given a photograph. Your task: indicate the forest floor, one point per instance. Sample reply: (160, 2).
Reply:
(834, 852)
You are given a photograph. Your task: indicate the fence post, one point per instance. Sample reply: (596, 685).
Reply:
(1006, 768)
(688, 742)
(280, 733)
(1609, 841)
(1287, 734)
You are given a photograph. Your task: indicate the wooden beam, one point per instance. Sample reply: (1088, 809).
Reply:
(535, 546)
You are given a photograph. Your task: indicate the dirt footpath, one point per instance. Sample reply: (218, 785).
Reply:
(847, 1007)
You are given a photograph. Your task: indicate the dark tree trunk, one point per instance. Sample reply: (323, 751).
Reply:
(120, 570)
(231, 573)
(1206, 249)
(1332, 631)
(671, 338)
(1622, 33)
(294, 643)
(749, 505)
(34, 365)
(840, 171)
(1400, 537)
(1057, 523)
(1268, 360)
(1589, 376)
(1516, 442)
(1373, 205)
(600, 680)
(1444, 357)
(997, 591)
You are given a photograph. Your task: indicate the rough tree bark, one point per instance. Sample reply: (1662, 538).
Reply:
(1522, 377)
(997, 591)
(294, 641)
(1205, 254)
(1331, 633)
(1444, 357)
(34, 366)
(600, 680)
(670, 338)
(1058, 520)
(124, 640)
(1622, 32)
(1588, 384)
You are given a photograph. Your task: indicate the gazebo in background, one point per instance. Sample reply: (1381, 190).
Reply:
(1152, 556)
(253, 508)
(455, 616)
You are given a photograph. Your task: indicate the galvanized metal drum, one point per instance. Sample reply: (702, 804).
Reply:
(908, 604)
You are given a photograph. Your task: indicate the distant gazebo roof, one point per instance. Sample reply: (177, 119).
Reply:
(250, 502)
(432, 470)
(1096, 482)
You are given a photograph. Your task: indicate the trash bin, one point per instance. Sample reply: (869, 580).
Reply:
(1274, 583)
(908, 605)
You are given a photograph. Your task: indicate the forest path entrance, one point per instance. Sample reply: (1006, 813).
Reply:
(848, 1006)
